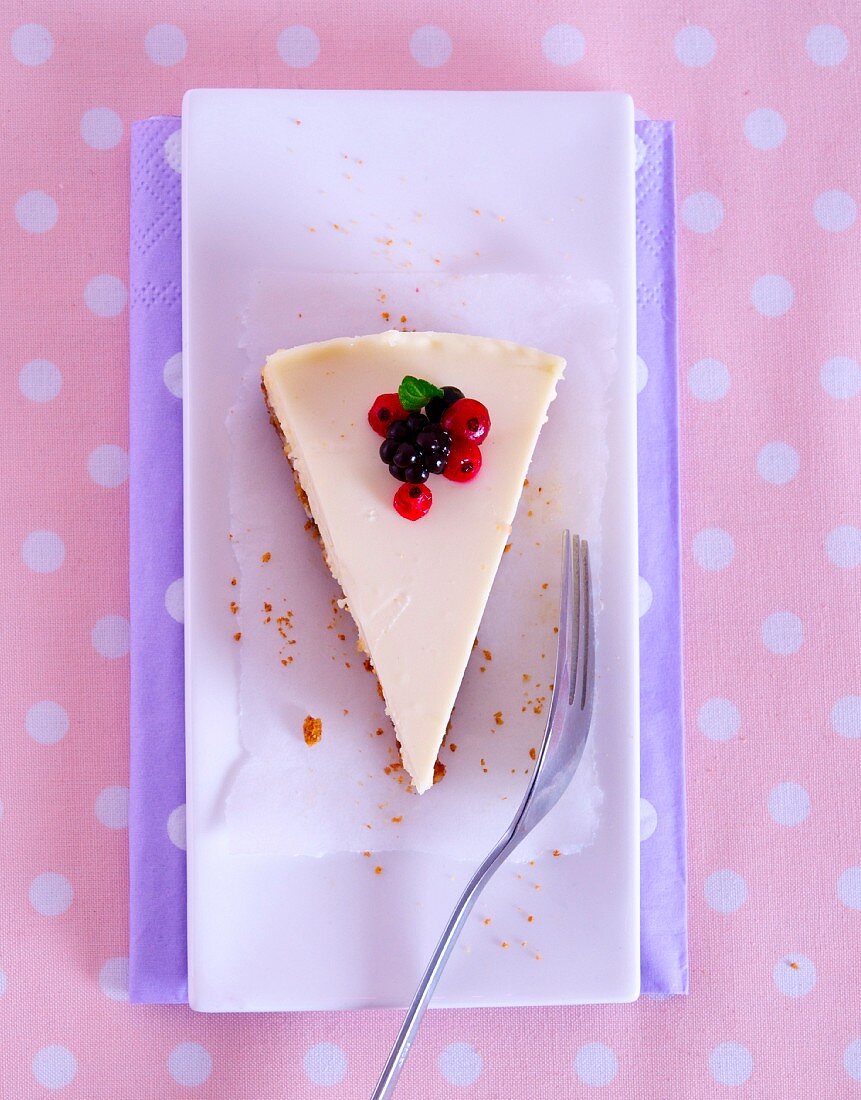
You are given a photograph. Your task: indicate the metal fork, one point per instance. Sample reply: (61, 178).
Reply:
(568, 721)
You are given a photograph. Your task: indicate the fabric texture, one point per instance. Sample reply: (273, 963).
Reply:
(766, 99)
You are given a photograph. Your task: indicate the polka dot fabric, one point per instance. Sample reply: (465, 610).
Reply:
(767, 99)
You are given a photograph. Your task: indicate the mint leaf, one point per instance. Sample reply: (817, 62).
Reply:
(414, 393)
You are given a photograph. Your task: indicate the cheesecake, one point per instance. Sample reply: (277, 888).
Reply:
(409, 452)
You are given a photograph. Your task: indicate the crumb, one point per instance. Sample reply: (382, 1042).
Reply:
(342, 637)
(526, 483)
(347, 664)
(453, 747)
(793, 965)
(267, 607)
(487, 920)
(530, 512)
(556, 852)
(505, 943)
(397, 820)
(367, 854)
(346, 711)
(500, 721)
(367, 665)
(477, 212)
(378, 870)
(385, 316)
(380, 732)
(437, 261)
(380, 691)
(526, 677)
(233, 581)
(481, 668)
(403, 317)
(488, 656)
(237, 635)
(286, 661)
(530, 918)
(507, 548)
(234, 607)
(537, 886)
(537, 957)
(312, 730)
(532, 754)
(555, 629)
(266, 557)
(438, 771)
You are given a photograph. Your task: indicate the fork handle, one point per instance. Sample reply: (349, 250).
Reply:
(392, 1069)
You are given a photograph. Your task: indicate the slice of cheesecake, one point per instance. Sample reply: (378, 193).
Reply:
(417, 590)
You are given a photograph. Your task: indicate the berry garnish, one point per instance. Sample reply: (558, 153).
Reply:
(413, 501)
(467, 419)
(387, 450)
(416, 422)
(407, 455)
(416, 474)
(436, 463)
(384, 410)
(434, 440)
(398, 431)
(464, 462)
(437, 405)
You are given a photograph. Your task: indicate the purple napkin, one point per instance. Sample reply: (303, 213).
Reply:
(157, 952)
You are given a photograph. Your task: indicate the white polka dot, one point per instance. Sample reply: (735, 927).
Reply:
(826, 45)
(718, 719)
(843, 546)
(174, 600)
(725, 891)
(2, 982)
(110, 636)
(782, 633)
(54, 1066)
(777, 463)
(731, 1064)
(849, 887)
(772, 295)
(108, 465)
(765, 128)
(176, 827)
(852, 1059)
(47, 722)
(430, 46)
(846, 716)
(702, 212)
(172, 150)
(36, 212)
(794, 975)
(648, 819)
(101, 128)
(43, 551)
(841, 377)
(298, 46)
(642, 374)
(165, 44)
(173, 374)
(645, 596)
(189, 1064)
(788, 803)
(563, 44)
(460, 1064)
(114, 978)
(51, 894)
(596, 1064)
(640, 152)
(835, 210)
(105, 295)
(40, 380)
(708, 379)
(694, 46)
(325, 1064)
(713, 548)
(32, 44)
(112, 807)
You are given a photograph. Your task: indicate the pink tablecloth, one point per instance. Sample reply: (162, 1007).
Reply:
(767, 102)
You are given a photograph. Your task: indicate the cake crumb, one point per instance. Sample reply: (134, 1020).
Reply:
(367, 664)
(488, 656)
(234, 607)
(438, 771)
(312, 730)
(544, 587)
(487, 920)
(266, 557)
(367, 854)
(526, 677)
(342, 637)
(530, 918)
(378, 870)
(286, 661)
(507, 548)
(500, 721)
(453, 747)
(237, 635)
(379, 731)
(532, 753)
(556, 852)
(233, 581)
(386, 316)
(380, 691)
(403, 315)
(526, 483)
(346, 711)
(267, 607)
(505, 943)
(397, 820)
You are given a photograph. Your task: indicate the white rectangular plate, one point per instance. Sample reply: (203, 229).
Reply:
(553, 177)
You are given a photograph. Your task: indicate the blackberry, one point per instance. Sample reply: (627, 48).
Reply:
(399, 431)
(416, 421)
(407, 455)
(436, 463)
(415, 475)
(387, 450)
(434, 440)
(396, 472)
(438, 405)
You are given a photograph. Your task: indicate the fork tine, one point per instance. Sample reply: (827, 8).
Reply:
(574, 618)
(588, 672)
(563, 643)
